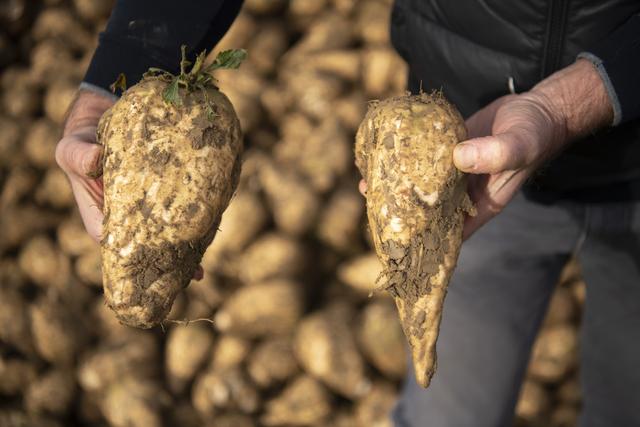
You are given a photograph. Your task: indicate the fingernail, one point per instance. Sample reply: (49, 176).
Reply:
(465, 156)
(362, 186)
(94, 168)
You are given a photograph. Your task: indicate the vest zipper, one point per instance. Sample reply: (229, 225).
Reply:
(554, 37)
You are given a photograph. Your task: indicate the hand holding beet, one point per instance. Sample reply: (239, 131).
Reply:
(408, 149)
(170, 166)
(79, 156)
(514, 135)
(509, 139)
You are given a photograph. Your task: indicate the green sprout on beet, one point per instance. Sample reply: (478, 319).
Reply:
(199, 77)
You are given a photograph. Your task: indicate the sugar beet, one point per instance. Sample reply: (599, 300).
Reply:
(416, 202)
(172, 148)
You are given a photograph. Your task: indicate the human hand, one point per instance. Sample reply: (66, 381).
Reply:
(80, 157)
(514, 135)
(508, 140)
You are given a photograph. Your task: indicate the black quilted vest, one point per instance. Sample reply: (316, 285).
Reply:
(472, 48)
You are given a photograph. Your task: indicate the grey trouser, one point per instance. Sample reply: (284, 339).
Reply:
(498, 297)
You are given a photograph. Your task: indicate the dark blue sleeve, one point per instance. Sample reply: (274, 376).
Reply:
(617, 59)
(148, 33)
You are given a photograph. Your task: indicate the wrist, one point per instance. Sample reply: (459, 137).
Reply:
(85, 112)
(576, 99)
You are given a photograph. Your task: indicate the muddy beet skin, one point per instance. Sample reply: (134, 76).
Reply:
(416, 204)
(169, 172)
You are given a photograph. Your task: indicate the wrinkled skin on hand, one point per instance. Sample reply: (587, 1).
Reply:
(508, 140)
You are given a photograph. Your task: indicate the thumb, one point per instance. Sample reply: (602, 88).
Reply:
(79, 157)
(491, 154)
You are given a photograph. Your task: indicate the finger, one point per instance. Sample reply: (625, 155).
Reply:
(80, 158)
(198, 274)
(471, 224)
(492, 154)
(490, 194)
(90, 208)
(362, 187)
(485, 210)
(477, 189)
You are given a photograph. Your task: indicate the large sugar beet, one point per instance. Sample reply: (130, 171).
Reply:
(172, 148)
(416, 203)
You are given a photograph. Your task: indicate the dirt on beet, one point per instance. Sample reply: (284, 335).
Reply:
(416, 203)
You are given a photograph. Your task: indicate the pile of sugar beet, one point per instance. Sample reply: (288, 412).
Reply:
(299, 337)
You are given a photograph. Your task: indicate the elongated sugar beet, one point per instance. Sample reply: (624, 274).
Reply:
(416, 203)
